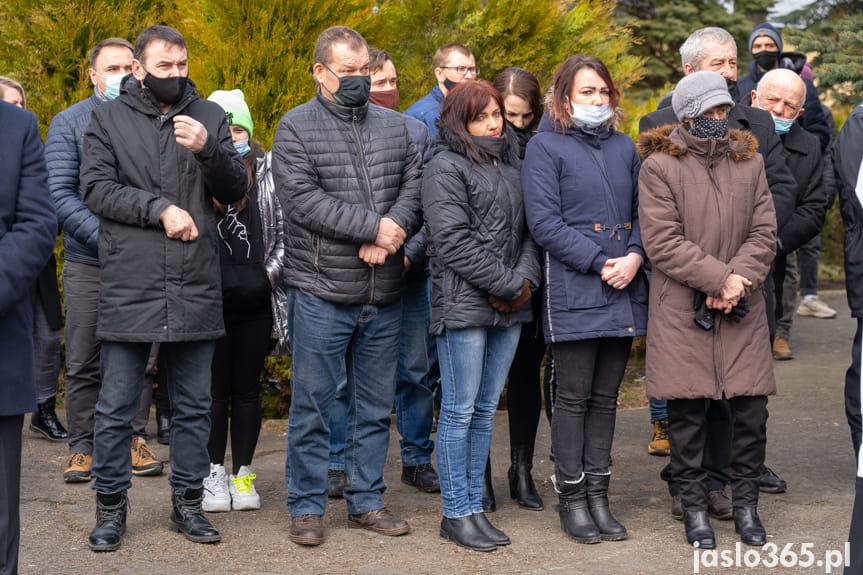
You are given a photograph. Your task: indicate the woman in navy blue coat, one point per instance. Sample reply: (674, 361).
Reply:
(581, 200)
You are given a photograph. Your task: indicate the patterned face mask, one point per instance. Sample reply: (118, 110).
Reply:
(713, 128)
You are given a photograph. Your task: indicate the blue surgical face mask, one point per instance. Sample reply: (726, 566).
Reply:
(781, 125)
(590, 116)
(112, 84)
(242, 147)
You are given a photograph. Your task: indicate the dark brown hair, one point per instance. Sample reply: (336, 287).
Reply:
(95, 50)
(564, 79)
(336, 35)
(166, 34)
(464, 103)
(519, 82)
(377, 59)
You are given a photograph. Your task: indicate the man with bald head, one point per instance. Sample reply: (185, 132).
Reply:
(782, 93)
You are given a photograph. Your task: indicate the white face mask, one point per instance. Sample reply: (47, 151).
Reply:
(112, 85)
(590, 116)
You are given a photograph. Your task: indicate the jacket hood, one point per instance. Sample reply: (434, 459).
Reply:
(792, 61)
(740, 144)
(448, 139)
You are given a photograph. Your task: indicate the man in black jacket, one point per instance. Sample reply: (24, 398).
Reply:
(347, 175)
(715, 49)
(154, 159)
(782, 92)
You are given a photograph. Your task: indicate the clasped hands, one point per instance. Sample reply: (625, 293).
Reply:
(390, 238)
(512, 305)
(618, 272)
(732, 291)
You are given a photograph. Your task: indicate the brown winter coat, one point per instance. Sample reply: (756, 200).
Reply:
(705, 212)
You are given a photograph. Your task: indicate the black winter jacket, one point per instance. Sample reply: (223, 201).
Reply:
(151, 287)
(804, 159)
(337, 172)
(759, 122)
(847, 157)
(478, 236)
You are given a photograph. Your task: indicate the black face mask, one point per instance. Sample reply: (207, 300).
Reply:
(353, 91)
(523, 135)
(713, 128)
(766, 59)
(732, 89)
(449, 84)
(166, 90)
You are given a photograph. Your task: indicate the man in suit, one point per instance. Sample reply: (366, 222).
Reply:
(27, 228)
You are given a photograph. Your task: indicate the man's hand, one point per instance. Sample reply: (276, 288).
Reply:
(372, 254)
(500, 305)
(178, 224)
(408, 264)
(391, 236)
(618, 272)
(190, 132)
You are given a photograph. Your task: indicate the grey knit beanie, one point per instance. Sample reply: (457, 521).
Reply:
(766, 29)
(698, 92)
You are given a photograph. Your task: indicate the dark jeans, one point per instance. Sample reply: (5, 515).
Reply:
(331, 341)
(585, 408)
(46, 353)
(123, 366)
(237, 364)
(686, 422)
(10, 487)
(718, 432)
(808, 260)
(852, 383)
(524, 390)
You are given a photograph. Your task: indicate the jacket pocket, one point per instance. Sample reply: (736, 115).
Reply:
(583, 291)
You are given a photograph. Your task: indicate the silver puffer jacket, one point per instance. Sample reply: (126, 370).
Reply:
(273, 231)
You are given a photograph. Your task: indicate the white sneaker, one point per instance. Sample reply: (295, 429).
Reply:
(814, 307)
(217, 497)
(243, 494)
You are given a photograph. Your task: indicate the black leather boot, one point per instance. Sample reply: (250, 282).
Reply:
(111, 511)
(597, 501)
(699, 533)
(489, 530)
(163, 429)
(464, 532)
(521, 486)
(44, 420)
(575, 518)
(489, 504)
(747, 523)
(188, 517)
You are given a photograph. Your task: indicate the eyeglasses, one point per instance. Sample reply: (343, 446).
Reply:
(463, 70)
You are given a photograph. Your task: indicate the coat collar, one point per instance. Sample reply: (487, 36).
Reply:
(343, 113)
(675, 141)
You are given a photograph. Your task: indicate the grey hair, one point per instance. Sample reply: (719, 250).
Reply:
(692, 51)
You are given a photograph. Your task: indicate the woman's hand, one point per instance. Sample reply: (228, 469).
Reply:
(618, 272)
(732, 291)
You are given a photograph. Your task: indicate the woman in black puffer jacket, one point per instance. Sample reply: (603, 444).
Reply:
(484, 266)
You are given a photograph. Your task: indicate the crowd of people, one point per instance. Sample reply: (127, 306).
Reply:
(442, 253)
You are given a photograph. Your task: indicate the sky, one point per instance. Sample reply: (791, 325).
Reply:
(784, 6)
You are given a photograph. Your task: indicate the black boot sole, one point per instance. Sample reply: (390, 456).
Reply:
(47, 434)
(446, 536)
(582, 540)
(613, 537)
(177, 528)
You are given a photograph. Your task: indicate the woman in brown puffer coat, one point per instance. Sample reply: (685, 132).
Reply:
(709, 229)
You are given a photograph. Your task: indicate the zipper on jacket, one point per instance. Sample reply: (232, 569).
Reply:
(719, 362)
(316, 242)
(368, 188)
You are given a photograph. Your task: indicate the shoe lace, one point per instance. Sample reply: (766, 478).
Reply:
(111, 513)
(215, 483)
(144, 451)
(661, 431)
(76, 459)
(243, 484)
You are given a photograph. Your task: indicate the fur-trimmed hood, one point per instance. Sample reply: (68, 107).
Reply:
(740, 145)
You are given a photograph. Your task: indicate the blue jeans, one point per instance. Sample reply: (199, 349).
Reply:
(123, 366)
(414, 400)
(329, 342)
(473, 365)
(658, 410)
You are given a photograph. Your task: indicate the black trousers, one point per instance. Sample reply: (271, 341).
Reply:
(686, 422)
(718, 431)
(10, 491)
(524, 391)
(585, 408)
(855, 535)
(237, 364)
(852, 387)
